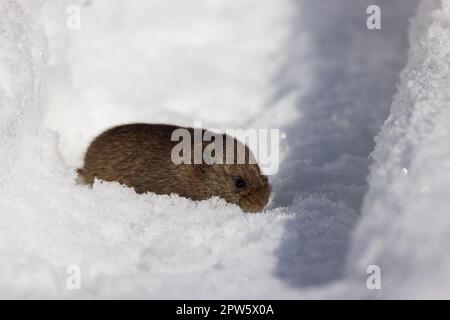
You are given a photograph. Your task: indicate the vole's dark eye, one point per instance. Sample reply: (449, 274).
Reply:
(239, 183)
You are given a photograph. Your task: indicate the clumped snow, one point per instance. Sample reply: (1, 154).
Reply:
(327, 84)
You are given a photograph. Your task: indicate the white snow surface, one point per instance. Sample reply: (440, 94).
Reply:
(308, 67)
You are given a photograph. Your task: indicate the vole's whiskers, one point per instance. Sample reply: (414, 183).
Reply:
(275, 182)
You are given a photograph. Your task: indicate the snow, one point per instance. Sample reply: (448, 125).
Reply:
(406, 228)
(328, 86)
(173, 62)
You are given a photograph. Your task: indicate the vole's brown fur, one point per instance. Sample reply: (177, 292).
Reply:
(139, 156)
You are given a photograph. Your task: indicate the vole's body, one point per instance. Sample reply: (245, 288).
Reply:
(139, 156)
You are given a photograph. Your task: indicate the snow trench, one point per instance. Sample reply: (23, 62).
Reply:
(405, 229)
(311, 68)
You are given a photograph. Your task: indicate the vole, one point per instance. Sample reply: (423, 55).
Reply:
(140, 156)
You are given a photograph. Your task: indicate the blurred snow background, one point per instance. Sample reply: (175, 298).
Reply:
(164, 61)
(308, 67)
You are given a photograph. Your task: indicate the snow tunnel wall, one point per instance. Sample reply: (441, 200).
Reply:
(405, 229)
(22, 60)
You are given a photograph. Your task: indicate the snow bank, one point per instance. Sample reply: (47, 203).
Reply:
(406, 225)
(22, 54)
(160, 61)
(126, 245)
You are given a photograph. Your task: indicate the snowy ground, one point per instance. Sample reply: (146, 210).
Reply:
(309, 67)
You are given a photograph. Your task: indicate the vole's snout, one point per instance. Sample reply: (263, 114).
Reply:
(255, 206)
(257, 202)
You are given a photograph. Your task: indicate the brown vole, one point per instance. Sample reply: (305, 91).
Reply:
(139, 156)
